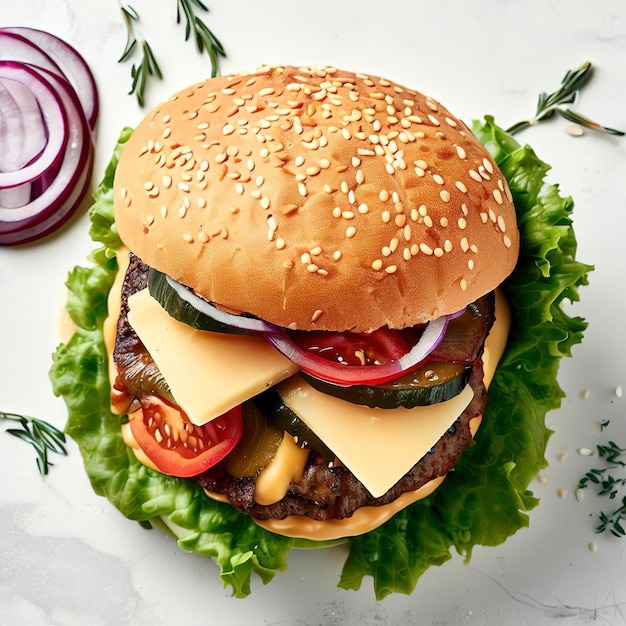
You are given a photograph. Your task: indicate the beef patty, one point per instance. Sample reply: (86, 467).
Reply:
(325, 491)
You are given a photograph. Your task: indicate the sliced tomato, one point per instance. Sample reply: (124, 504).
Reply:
(175, 445)
(379, 347)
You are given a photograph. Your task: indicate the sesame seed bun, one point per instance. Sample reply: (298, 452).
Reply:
(316, 199)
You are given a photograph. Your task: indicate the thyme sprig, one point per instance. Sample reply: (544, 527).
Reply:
(555, 103)
(44, 437)
(148, 66)
(609, 483)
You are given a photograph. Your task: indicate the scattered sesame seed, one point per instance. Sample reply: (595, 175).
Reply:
(350, 232)
(445, 195)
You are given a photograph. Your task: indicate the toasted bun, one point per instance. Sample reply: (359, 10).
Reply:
(316, 199)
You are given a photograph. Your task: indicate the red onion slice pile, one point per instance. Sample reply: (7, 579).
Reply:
(48, 109)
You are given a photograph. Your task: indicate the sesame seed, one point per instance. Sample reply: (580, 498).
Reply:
(316, 315)
(312, 268)
(501, 223)
(447, 245)
(280, 243)
(443, 221)
(203, 237)
(383, 195)
(337, 255)
(302, 189)
(438, 179)
(464, 244)
(391, 269)
(426, 249)
(350, 232)
(188, 238)
(445, 195)
(386, 216)
(377, 264)
(507, 241)
(228, 129)
(497, 194)
(470, 264)
(462, 223)
(488, 166)
(463, 284)
(460, 186)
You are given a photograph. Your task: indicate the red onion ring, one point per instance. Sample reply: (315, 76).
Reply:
(42, 168)
(242, 322)
(346, 375)
(71, 64)
(21, 117)
(62, 197)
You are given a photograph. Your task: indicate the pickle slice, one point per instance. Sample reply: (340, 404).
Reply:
(429, 384)
(181, 310)
(272, 405)
(257, 446)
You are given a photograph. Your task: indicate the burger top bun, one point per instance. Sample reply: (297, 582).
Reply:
(316, 198)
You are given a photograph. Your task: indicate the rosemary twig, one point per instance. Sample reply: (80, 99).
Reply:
(205, 40)
(567, 93)
(44, 437)
(148, 66)
(608, 484)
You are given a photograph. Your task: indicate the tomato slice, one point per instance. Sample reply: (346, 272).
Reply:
(175, 445)
(378, 347)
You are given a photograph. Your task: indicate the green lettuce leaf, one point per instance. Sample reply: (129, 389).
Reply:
(486, 498)
(484, 501)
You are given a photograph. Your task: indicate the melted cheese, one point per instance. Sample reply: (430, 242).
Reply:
(378, 446)
(368, 518)
(208, 373)
(120, 400)
(287, 465)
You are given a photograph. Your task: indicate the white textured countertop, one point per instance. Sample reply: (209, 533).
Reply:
(68, 558)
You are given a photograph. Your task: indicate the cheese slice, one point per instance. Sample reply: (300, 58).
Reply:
(377, 445)
(208, 373)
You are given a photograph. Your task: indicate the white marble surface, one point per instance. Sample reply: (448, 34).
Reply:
(67, 558)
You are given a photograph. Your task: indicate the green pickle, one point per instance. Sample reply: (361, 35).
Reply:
(429, 384)
(258, 444)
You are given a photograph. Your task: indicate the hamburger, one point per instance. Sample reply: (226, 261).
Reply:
(311, 277)
(359, 229)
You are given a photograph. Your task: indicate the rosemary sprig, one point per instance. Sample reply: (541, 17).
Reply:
(205, 39)
(609, 484)
(148, 65)
(44, 437)
(549, 104)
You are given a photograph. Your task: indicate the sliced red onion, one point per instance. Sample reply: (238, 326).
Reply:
(242, 322)
(15, 47)
(20, 119)
(71, 64)
(339, 374)
(44, 167)
(62, 197)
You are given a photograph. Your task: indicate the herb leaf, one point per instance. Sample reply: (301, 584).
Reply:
(148, 66)
(549, 104)
(609, 482)
(44, 437)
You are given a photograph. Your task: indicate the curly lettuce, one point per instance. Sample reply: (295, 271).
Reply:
(484, 501)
